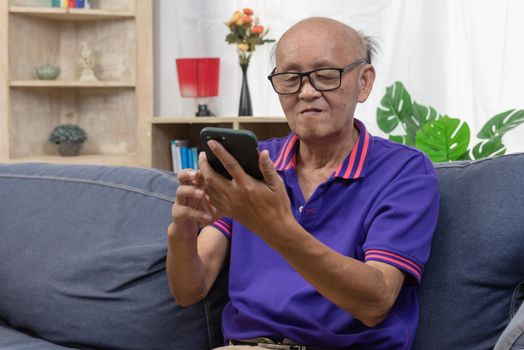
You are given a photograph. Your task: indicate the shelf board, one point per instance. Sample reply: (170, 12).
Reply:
(99, 159)
(216, 120)
(71, 84)
(67, 14)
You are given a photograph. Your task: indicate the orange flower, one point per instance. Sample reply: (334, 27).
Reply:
(257, 29)
(247, 19)
(248, 11)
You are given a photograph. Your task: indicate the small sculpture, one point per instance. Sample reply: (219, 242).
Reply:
(87, 62)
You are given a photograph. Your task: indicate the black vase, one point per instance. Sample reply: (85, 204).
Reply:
(244, 108)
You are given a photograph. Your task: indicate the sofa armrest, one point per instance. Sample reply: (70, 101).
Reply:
(513, 336)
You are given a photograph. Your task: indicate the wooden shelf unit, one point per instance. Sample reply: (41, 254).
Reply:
(65, 14)
(114, 111)
(71, 84)
(165, 129)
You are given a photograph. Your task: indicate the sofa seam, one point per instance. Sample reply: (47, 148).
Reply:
(208, 320)
(513, 308)
(89, 182)
(463, 164)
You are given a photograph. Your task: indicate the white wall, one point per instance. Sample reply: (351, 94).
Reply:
(465, 58)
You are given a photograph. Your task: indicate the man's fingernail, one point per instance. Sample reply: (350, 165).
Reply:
(206, 217)
(267, 159)
(199, 193)
(212, 144)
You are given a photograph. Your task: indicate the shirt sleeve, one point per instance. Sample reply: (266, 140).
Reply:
(224, 225)
(403, 218)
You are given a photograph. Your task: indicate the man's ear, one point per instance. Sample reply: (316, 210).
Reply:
(366, 79)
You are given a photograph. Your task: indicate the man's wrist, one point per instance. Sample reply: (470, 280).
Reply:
(175, 234)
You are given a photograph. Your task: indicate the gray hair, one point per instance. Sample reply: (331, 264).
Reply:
(370, 46)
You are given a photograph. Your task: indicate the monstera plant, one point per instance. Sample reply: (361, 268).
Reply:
(442, 138)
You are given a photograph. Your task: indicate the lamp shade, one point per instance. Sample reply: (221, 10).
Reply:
(198, 77)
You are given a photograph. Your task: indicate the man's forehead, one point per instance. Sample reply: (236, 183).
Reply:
(314, 51)
(318, 34)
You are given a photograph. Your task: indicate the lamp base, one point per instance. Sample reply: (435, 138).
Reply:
(203, 111)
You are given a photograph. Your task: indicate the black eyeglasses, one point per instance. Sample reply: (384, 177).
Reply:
(323, 79)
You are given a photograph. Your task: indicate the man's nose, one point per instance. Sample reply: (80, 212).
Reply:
(307, 89)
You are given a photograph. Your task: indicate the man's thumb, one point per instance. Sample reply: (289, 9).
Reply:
(268, 169)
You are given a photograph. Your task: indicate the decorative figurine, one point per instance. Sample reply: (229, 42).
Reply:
(87, 62)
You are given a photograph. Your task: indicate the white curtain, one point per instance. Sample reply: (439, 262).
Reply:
(463, 57)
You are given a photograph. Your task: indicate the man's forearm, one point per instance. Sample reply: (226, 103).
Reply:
(185, 271)
(361, 289)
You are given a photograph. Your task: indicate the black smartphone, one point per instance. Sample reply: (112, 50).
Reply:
(241, 144)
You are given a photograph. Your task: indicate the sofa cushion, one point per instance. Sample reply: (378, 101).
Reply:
(83, 253)
(11, 339)
(471, 279)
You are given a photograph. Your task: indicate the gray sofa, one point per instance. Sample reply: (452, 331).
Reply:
(82, 252)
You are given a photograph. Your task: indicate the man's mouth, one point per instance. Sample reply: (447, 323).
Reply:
(310, 111)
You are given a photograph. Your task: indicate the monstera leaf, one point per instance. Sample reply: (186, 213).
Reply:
(421, 116)
(444, 139)
(489, 148)
(395, 107)
(501, 123)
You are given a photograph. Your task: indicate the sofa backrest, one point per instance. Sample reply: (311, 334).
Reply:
(82, 252)
(82, 259)
(473, 282)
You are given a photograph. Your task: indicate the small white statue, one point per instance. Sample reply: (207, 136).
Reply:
(87, 62)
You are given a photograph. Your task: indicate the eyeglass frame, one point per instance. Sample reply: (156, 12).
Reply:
(307, 74)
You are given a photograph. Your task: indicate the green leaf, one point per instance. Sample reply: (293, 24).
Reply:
(489, 148)
(422, 115)
(501, 123)
(465, 156)
(231, 38)
(419, 117)
(444, 139)
(395, 107)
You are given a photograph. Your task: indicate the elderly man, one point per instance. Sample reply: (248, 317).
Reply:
(325, 252)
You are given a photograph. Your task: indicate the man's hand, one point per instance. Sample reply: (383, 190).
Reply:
(193, 260)
(258, 205)
(191, 209)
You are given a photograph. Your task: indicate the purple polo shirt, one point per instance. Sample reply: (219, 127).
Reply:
(380, 204)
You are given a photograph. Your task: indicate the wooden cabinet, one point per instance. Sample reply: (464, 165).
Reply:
(166, 129)
(114, 110)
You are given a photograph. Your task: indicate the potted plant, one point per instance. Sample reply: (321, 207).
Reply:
(68, 138)
(442, 138)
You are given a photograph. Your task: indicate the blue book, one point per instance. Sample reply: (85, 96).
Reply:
(190, 157)
(183, 155)
(195, 157)
(80, 4)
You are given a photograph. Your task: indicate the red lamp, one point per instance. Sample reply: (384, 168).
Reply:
(198, 78)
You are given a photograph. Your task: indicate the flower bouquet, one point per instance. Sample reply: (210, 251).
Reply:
(246, 33)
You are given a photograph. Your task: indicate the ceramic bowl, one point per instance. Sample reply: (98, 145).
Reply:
(46, 72)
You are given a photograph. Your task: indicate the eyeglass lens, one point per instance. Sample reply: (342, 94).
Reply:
(322, 79)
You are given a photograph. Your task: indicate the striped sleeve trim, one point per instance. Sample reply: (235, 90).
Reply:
(224, 227)
(401, 262)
